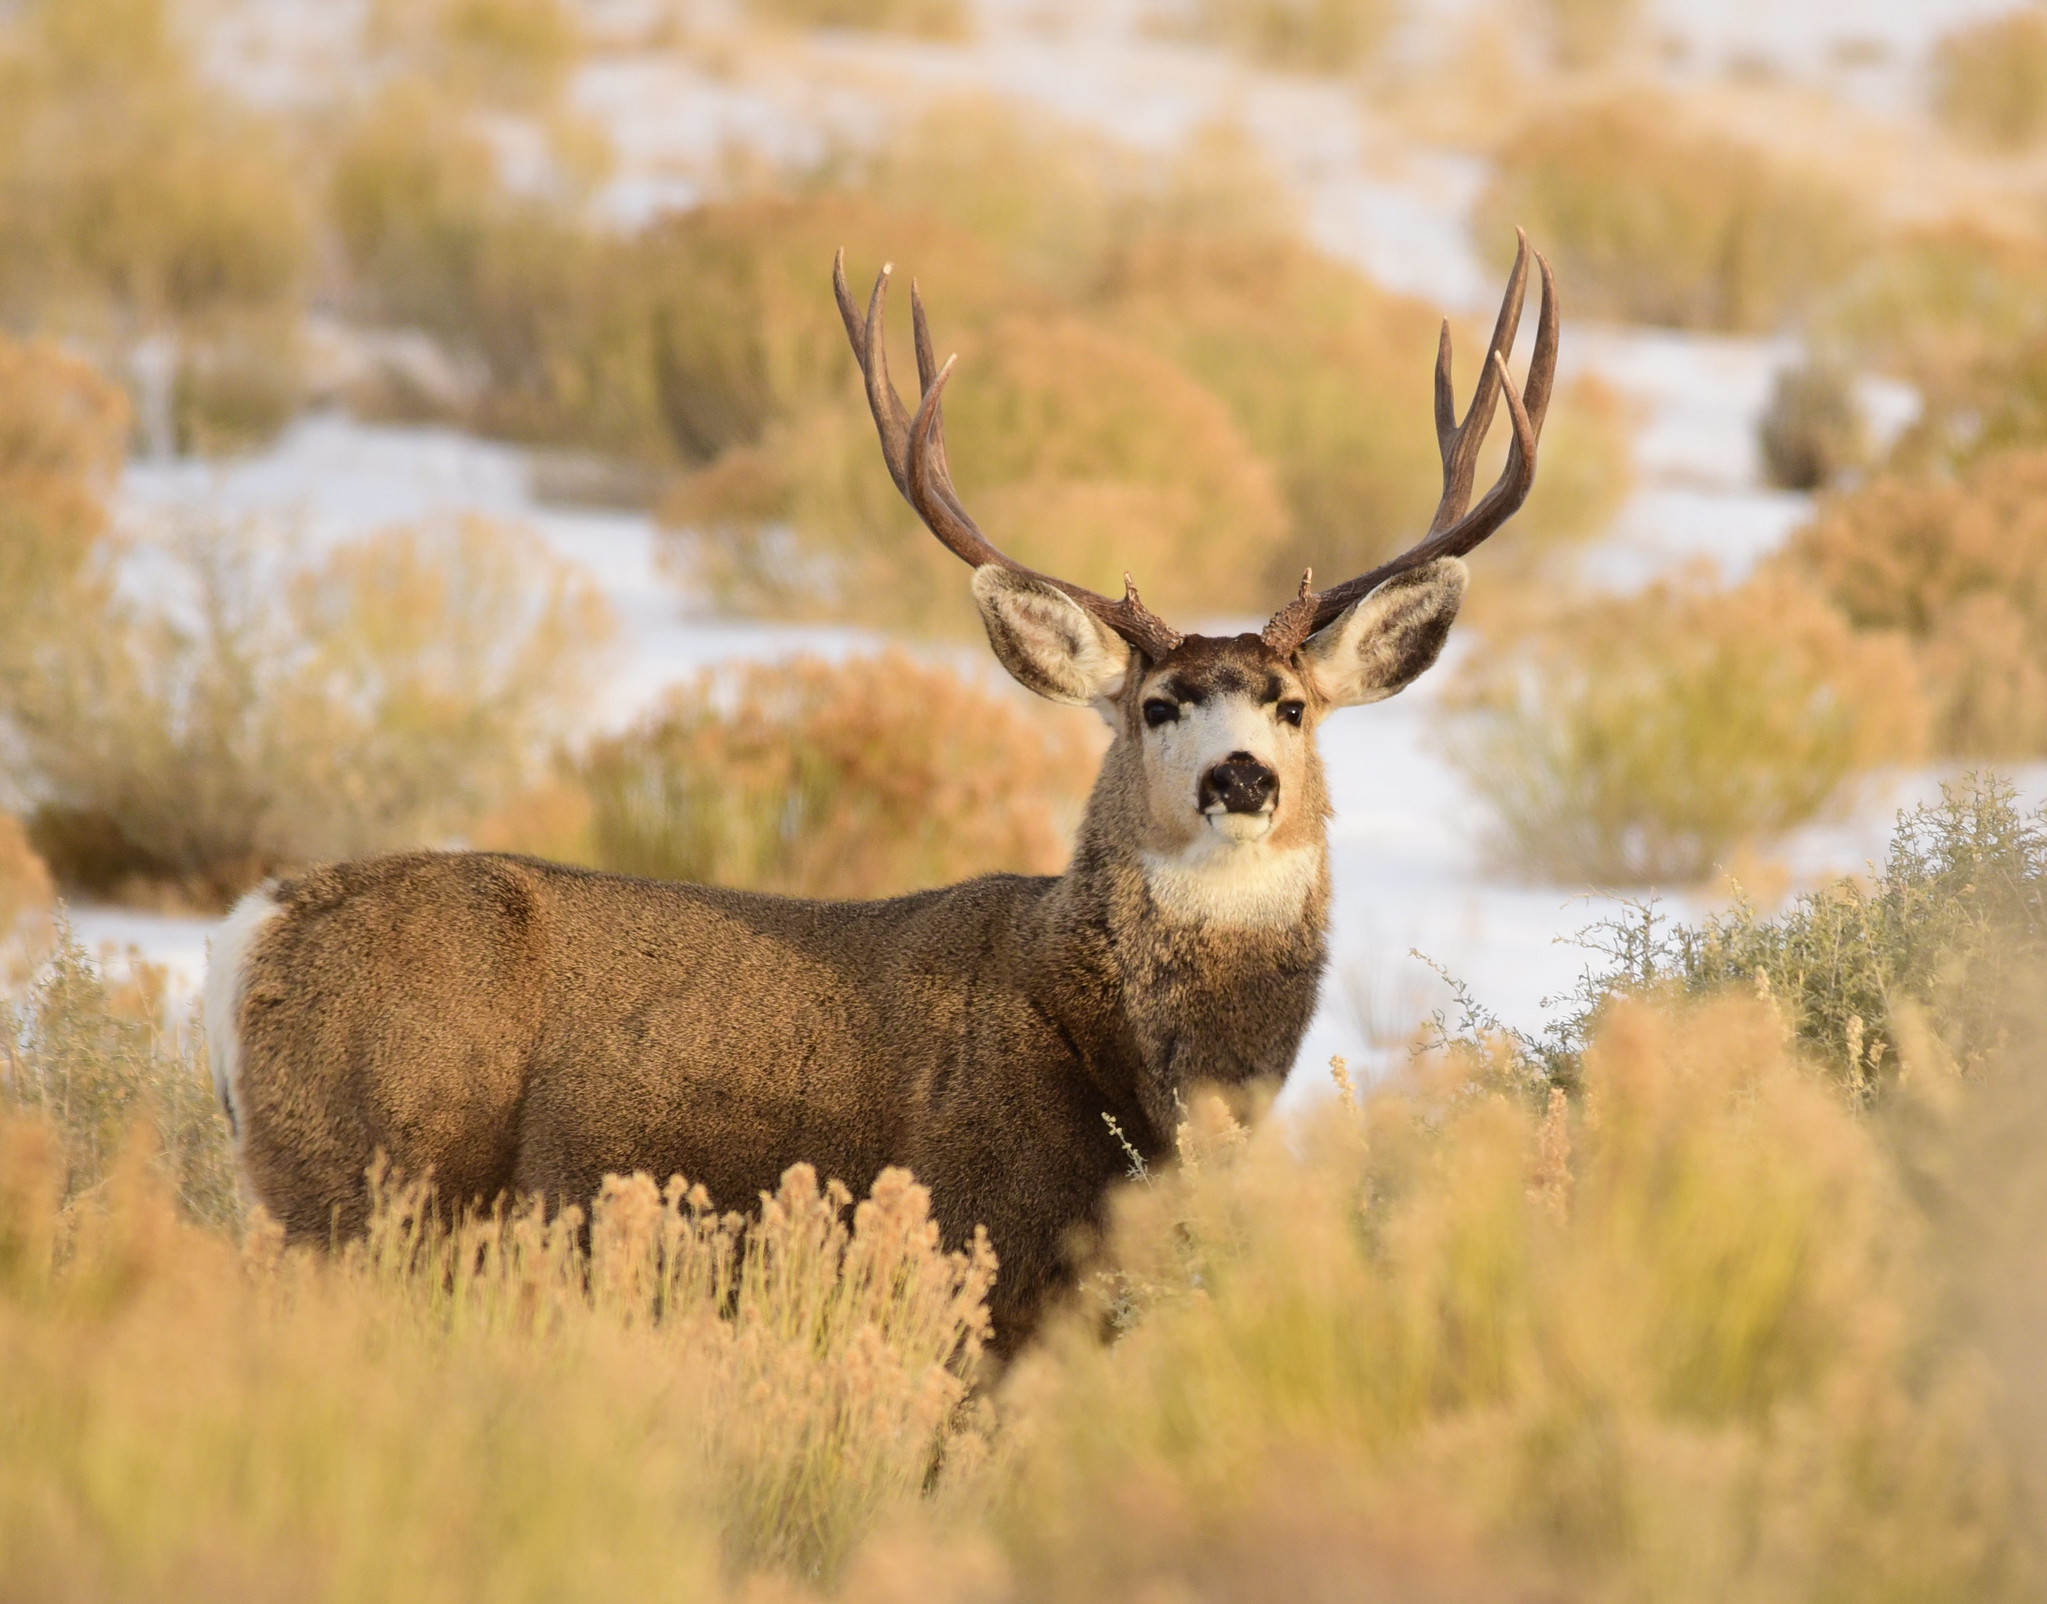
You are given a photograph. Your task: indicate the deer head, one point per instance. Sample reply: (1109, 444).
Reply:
(1214, 761)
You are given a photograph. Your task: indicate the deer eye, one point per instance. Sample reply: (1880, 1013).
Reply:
(1158, 711)
(1292, 713)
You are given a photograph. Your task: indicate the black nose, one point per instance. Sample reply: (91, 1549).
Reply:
(1240, 783)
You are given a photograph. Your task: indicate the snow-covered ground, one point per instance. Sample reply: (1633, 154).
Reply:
(1409, 871)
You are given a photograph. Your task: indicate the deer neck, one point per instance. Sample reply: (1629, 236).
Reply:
(1177, 964)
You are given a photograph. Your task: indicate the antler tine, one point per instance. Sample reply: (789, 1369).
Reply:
(1460, 443)
(870, 350)
(1454, 531)
(914, 449)
(927, 376)
(927, 361)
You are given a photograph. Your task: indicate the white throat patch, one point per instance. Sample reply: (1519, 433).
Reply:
(1219, 882)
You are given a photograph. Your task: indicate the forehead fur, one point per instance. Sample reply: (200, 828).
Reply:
(1205, 666)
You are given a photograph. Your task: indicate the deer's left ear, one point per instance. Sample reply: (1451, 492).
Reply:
(1385, 642)
(1046, 641)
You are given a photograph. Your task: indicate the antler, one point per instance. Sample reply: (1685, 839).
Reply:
(914, 448)
(1454, 531)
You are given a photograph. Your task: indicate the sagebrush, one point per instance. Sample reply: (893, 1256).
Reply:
(1643, 739)
(860, 778)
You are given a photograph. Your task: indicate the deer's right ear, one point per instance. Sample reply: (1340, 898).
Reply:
(1047, 641)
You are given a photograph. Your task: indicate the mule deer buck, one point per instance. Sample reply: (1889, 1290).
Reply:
(516, 1026)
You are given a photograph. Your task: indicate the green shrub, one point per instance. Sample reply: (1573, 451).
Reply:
(1990, 80)
(1812, 432)
(1941, 946)
(1650, 219)
(867, 777)
(1641, 739)
(186, 746)
(1954, 567)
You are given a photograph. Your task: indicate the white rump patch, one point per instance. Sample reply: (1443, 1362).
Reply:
(1216, 882)
(227, 982)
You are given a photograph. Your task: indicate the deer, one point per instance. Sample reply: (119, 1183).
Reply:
(512, 1027)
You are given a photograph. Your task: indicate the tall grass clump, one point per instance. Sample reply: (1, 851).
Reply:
(1954, 567)
(99, 1061)
(1989, 80)
(63, 435)
(182, 746)
(28, 894)
(1322, 36)
(1707, 1325)
(860, 778)
(1653, 219)
(1642, 739)
(494, 1410)
(1469, 1338)
(536, 310)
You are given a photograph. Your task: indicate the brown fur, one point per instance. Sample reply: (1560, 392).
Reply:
(517, 1026)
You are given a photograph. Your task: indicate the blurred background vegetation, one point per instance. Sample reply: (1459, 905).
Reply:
(1724, 1286)
(1167, 374)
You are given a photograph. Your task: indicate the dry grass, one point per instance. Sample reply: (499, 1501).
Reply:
(1156, 374)
(1079, 446)
(1706, 1328)
(1641, 740)
(1469, 1344)
(132, 194)
(536, 310)
(1582, 34)
(183, 747)
(492, 1412)
(929, 19)
(1940, 305)
(1320, 36)
(1989, 81)
(510, 53)
(98, 1059)
(1671, 1342)
(861, 778)
(1955, 567)
(63, 432)
(27, 895)
(1653, 219)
